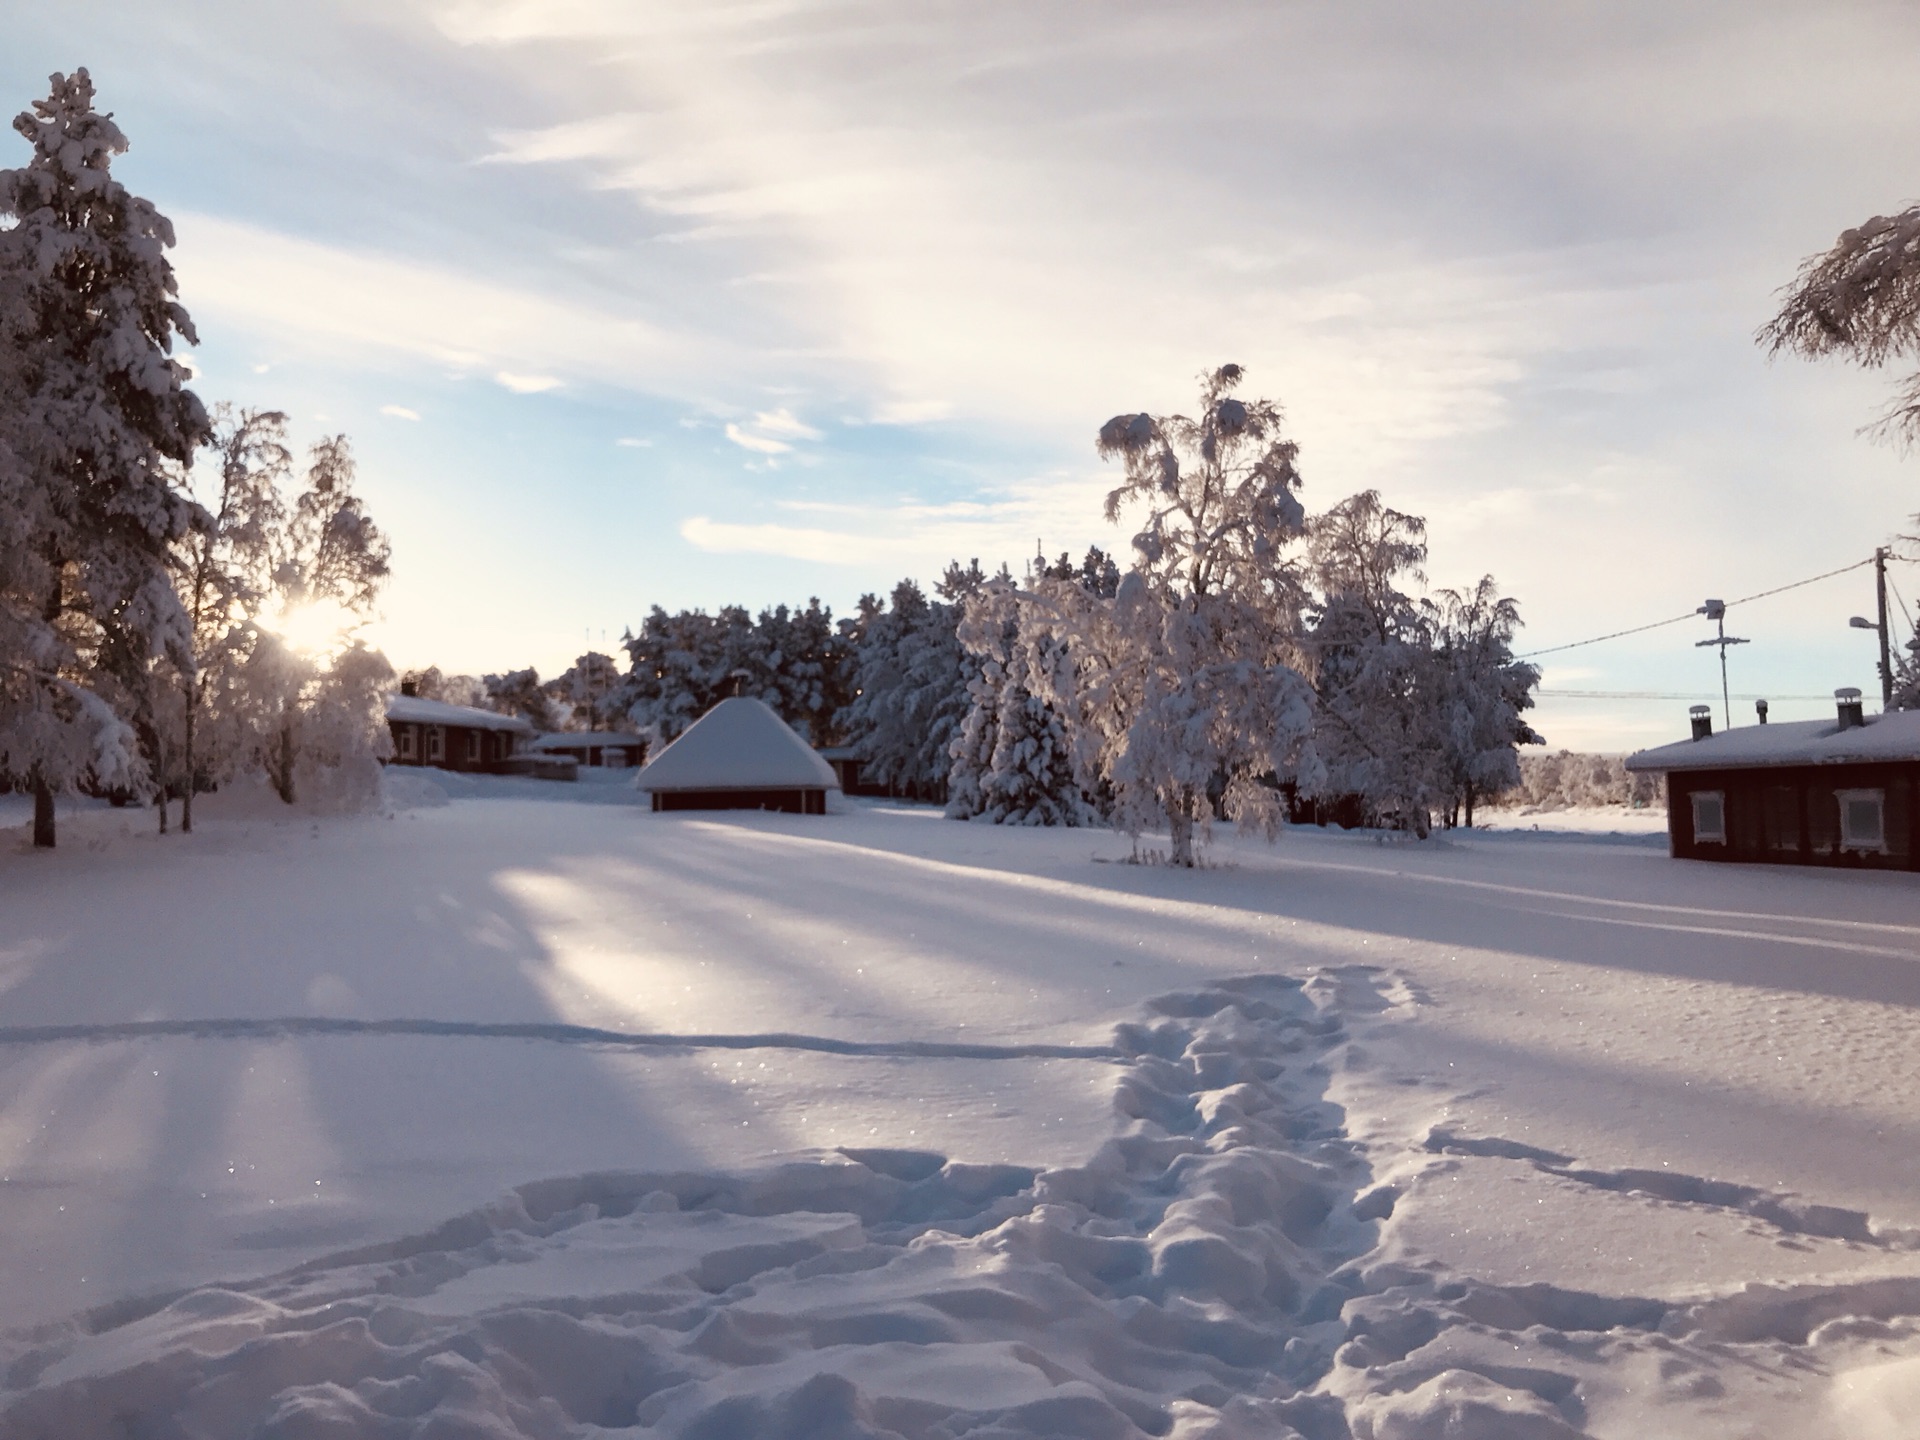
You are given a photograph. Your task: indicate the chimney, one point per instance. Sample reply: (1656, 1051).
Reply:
(1760, 709)
(1847, 702)
(410, 687)
(1702, 717)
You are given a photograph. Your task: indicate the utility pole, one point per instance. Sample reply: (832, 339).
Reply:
(1858, 623)
(1880, 590)
(1716, 611)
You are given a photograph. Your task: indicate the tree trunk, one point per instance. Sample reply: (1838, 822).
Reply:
(42, 813)
(1469, 807)
(186, 797)
(1180, 831)
(283, 781)
(160, 790)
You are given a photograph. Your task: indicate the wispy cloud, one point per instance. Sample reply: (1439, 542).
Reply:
(911, 412)
(526, 384)
(1055, 512)
(634, 442)
(771, 432)
(827, 547)
(399, 412)
(363, 306)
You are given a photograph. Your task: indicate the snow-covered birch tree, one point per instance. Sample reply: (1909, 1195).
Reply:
(1482, 694)
(1187, 684)
(225, 568)
(1377, 726)
(95, 412)
(329, 563)
(1861, 298)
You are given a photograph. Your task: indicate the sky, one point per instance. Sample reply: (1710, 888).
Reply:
(627, 305)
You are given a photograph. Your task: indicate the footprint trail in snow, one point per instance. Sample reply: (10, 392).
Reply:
(1225, 1266)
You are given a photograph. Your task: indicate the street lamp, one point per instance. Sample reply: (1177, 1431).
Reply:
(1860, 622)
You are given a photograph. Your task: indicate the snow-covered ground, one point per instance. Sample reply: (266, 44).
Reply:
(539, 1112)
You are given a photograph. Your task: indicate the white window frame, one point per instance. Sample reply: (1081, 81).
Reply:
(436, 744)
(407, 747)
(1718, 835)
(473, 747)
(1877, 844)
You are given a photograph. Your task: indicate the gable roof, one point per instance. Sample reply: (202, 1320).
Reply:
(740, 744)
(576, 739)
(1892, 736)
(412, 710)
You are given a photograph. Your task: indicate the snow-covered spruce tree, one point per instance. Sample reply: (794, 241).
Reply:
(1482, 694)
(582, 692)
(520, 693)
(95, 410)
(805, 657)
(1377, 727)
(681, 666)
(1187, 684)
(329, 563)
(908, 676)
(224, 569)
(431, 684)
(1862, 299)
(1013, 761)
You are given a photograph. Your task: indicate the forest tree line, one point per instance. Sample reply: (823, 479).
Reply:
(1249, 660)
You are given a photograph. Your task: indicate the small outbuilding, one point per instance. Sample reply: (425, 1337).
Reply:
(452, 737)
(1812, 792)
(739, 756)
(605, 749)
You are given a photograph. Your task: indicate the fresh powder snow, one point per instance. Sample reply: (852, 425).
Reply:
(519, 1110)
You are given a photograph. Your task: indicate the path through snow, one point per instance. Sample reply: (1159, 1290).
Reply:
(1505, 1138)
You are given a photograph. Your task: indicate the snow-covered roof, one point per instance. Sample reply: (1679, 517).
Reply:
(1893, 736)
(411, 709)
(573, 739)
(740, 744)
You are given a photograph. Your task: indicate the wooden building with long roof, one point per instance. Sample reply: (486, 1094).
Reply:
(1842, 792)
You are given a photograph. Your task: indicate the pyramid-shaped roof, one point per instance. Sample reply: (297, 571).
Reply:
(740, 744)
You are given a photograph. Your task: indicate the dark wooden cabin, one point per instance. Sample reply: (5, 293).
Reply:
(604, 749)
(452, 737)
(1843, 792)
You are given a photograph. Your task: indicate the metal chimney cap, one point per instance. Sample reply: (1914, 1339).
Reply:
(1706, 709)
(1847, 692)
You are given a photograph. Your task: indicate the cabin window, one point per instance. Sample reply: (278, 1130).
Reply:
(436, 743)
(1863, 820)
(405, 745)
(1709, 817)
(473, 745)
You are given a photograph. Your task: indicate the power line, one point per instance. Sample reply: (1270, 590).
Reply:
(1656, 695)
(1675, 620)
